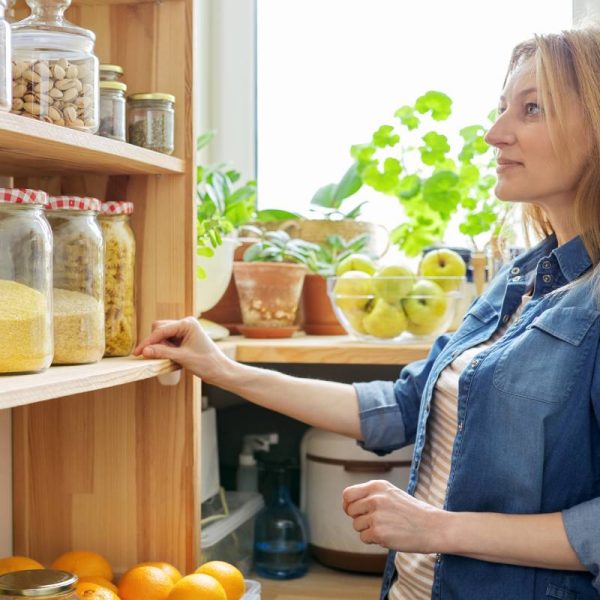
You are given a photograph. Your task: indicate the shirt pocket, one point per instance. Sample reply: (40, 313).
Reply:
(480, 313)
(544, 362)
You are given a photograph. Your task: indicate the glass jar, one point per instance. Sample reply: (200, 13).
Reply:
(43, 584)
(5, 53)
(152, 121)
(25, 282)
(78, 296)
(112, 110)
(54, 69)
(111, 73)
(119, 278)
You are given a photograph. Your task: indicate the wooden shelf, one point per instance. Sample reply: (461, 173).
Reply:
(18, 390)
(32, 148)
(314, 349)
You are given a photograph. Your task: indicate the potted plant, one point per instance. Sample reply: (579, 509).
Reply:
(269, 283)
(319, 317)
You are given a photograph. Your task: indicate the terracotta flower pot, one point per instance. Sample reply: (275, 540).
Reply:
(319, 318)
(269, 296)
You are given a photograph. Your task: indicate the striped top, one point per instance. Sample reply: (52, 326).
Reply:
(415, 572)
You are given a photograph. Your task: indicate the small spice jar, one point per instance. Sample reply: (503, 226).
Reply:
(25, 282)
(43, 584)
(119, 278)
(152, 121)
(111, 73)
(78, 280)
(5, 54)
(112, 110)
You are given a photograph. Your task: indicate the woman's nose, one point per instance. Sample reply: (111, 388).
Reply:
(500, 133)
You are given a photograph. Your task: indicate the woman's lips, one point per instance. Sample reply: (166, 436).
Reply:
(505, 165)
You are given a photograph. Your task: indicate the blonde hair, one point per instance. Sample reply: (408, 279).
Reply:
(565, 61)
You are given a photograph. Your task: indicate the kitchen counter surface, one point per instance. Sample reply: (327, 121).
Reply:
(313, 349)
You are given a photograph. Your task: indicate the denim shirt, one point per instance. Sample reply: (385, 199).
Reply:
(528, 438)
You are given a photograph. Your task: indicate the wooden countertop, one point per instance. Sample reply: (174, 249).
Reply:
(322, 583)
(317, 349)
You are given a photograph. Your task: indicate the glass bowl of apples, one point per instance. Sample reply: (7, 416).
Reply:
(392, 304)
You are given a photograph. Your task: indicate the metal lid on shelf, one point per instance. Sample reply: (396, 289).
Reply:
(37, 583)
(152, 96)
(74, 203)
(117, 208)
(23, 196)
(112, 69)
(113, 85)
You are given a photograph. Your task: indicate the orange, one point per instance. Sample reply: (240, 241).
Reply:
(167, 568)
(99, 581)
(84, 564)
(199, 585)
(227, 575)
(93, 591)
(18, 563)
(145, 583)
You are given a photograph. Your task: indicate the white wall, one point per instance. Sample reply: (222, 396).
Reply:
(5, 484)
(586, 11)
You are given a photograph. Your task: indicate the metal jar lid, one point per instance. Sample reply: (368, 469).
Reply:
(37, 583)
(153, 96)
(112, 69)
(113, 85)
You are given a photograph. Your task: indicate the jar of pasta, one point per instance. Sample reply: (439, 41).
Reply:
(119, 278)
(25, 282)
(43, 584)
(78, 279)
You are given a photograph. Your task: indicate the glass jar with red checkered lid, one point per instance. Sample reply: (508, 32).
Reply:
(78, 262)
(25, 282)
(119, 278)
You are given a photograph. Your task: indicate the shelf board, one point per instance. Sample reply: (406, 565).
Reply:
(315, 349)
(17, 390)
(30, 147)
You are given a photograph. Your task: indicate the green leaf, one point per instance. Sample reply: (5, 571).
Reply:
(362, 153)
(470, 133)
(438, 103)
(350, 183)
(435, 148)
(275, 214)
(439, 192)
(355, 212)
(205, 139)
(325, 196)
(409, 186)
(205, 251)
(385, 136)
(200, 272)
(407, 117)
(493, 115)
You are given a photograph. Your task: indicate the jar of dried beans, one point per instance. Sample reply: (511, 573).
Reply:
(54, 69)
(78, 279)
(152, 121)
(43, 584)
(119, 278)
(25, 282)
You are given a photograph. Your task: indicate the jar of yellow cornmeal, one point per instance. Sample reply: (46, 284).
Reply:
(25, 282)
(119, 278)
(43, 584)
(78, 298)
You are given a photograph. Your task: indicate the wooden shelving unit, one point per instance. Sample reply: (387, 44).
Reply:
(109, 462)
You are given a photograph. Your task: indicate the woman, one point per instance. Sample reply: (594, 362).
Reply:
(504, 494)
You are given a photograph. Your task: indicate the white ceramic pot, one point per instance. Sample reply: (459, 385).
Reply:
(218, 269)
(330, 463)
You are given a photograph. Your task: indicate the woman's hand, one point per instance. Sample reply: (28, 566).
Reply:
(185, 343)
(388, 516)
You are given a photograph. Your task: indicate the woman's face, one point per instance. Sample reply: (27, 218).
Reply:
(529, 168)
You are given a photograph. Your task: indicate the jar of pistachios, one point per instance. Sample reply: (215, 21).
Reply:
(119, 278)
(43, 584)
(151, 120)
(5, 53)
(54, 69)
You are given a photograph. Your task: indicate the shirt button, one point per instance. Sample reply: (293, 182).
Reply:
(460, 426)
(547, 278)
(505, 318)
(546, 264)
(515, 270)
(517, 278)
(474, 362)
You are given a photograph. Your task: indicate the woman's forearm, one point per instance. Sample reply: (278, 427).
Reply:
(524, 540)
(324, 404)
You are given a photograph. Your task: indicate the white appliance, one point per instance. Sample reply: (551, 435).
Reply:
(209, 455)
(330, 463)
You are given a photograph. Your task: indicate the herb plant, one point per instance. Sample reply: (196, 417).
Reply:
(277, 246)
(330, 253)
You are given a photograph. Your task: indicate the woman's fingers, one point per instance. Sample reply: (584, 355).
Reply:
(163, 331)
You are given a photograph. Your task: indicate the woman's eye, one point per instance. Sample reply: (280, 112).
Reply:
(532, 108)
(500, 110)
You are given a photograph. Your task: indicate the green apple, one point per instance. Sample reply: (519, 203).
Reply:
(443, 263)
(421, 330)
(353, 290)
(355, 319)
(356, 262)
(393, 282)
(385, 320)
(425, 305)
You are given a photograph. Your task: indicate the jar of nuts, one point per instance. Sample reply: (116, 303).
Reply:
(54, 69)
(112, 110)
(5, 51)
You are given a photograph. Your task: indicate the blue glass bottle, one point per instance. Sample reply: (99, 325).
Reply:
(280, 535)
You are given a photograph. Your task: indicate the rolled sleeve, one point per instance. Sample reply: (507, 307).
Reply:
(389, 411)
(582, 524)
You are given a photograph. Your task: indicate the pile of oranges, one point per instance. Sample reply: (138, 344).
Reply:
(215, 580)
